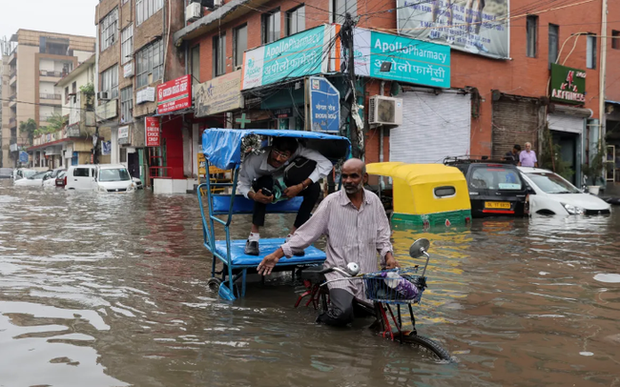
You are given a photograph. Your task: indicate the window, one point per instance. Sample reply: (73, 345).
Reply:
(591, 54)
(127, 44)
(271, 26)
(615, 39)
(554, 36)
(240, 44)
(442, 192)
(495, 178)
(109, 82)
(341, 7)
(149, 62)
(219, 55)
(195, 64)
(127, 104)
(67, 95)
(147, 8)
(81, 172)
(296, 20)
(74, 87)
(109, 29)
(532, 35)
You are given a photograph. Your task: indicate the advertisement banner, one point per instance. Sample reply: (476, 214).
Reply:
(174, 95)
(221, 94)
(106, 148)
(151, 125)
(410, 60)
(478, 27)
(324, 106)
(294, 56)
(568, 85)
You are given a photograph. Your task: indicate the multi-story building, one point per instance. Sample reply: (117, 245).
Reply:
(36, 62)
(467, 81)
(73, 143)
(134, 56)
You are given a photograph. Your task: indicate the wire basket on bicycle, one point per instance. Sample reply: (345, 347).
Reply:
(397, 286)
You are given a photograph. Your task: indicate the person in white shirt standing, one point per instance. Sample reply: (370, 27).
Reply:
(259, 171)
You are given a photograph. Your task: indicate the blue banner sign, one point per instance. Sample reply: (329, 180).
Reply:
(295, 56)
(23, 157)
(324, 106)
(403, 59)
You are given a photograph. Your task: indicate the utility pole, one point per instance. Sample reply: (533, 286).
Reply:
(347, 39)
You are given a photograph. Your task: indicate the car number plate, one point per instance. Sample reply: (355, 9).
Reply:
(502, 205)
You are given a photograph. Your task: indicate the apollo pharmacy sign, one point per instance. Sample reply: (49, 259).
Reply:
(568, 85)
(296, 56)
(411, 61)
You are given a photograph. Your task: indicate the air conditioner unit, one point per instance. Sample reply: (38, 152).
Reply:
(193, 12)
(217, 3)
(385, 110)
(103, 96)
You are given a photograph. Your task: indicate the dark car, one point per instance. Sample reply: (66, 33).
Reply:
(495, 188)
(60, 179)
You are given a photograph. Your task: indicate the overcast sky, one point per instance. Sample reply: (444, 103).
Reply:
(75, 17)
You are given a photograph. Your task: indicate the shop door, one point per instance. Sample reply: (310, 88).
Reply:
(133, 164)
(568, 150)
(434, 127)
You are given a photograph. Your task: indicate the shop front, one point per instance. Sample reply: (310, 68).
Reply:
(567, 119)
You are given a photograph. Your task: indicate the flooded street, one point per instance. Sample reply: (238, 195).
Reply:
(109, 290)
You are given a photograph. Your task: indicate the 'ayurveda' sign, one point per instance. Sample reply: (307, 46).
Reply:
(568, 85)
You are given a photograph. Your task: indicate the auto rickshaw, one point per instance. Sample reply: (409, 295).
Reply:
(424, 195)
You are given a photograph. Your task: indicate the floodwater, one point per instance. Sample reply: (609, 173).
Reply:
(109, 290)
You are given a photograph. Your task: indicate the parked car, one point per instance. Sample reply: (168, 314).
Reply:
(137, 182)
(51, 182)
(6, 173)
(61, 179)
(495, 188)
(554, 195)
(20, 173)
(35, 180)
(102, 178)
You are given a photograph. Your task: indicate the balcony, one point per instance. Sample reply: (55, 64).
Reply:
(13, 80)
(51, 76)
(13, 101)
(12, 123)
(50, 99)
(13, 56)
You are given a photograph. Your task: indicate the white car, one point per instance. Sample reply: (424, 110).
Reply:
(35, 180)
(20, 173)
(554, 195)
(102, 178)
(51, 182)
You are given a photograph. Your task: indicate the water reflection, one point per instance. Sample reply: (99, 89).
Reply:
(108, 290)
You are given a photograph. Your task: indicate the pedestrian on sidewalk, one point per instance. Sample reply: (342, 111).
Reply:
(527, 158)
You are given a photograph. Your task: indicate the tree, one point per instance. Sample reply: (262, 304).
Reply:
(29, 127)
(89, 92)
(56, 122)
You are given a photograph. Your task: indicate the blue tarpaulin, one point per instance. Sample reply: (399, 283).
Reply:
(222, 147)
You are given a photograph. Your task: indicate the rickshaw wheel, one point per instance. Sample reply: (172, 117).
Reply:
(213, 284)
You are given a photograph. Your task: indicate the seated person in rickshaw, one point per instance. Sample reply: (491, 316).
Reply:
(259, 172)
(357, 229)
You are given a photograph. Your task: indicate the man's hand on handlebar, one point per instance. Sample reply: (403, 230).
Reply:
(259, 197)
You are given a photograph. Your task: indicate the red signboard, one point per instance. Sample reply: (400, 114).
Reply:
(152, 131)
(174, 95)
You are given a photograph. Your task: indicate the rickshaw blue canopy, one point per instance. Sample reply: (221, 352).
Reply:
(222, 147)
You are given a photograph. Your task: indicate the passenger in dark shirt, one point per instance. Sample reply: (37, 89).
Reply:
(513, 155)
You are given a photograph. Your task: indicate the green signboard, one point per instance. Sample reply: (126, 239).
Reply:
(568, 85)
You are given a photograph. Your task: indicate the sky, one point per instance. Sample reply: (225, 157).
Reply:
(75, 17)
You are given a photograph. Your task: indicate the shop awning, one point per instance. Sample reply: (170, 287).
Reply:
(175, 113)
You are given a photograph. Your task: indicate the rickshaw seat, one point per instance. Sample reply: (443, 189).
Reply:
(267, 246)
(221, 205)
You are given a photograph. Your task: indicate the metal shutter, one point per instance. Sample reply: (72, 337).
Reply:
(515, 121)
(565, 123)
(434, 127)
